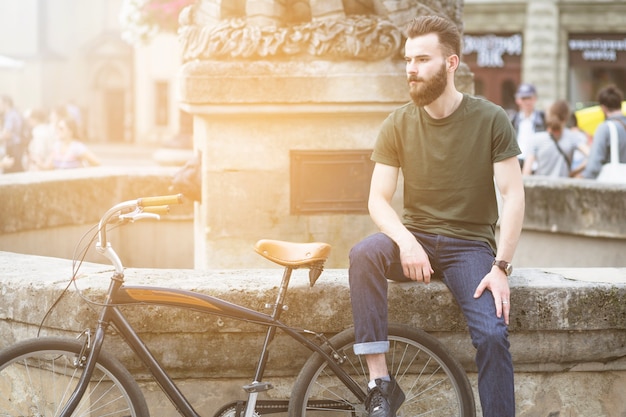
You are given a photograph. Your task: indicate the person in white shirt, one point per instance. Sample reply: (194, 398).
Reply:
(527, 120)
(43, 138)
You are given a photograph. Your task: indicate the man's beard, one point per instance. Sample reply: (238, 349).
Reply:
(428, 90)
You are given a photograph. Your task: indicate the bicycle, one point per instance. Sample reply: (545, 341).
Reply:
(52, 376)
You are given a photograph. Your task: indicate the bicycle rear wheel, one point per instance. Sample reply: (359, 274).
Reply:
(434, 382)
(38, 376)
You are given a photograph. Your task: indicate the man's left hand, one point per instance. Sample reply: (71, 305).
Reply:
(497, 282)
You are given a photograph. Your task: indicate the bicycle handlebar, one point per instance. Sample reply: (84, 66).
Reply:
(157, 209)
(141, 208)
(162, 200)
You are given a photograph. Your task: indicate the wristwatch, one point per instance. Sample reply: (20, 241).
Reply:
(503, 265)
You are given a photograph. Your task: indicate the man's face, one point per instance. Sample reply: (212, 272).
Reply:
(426, 69)
(526, 104)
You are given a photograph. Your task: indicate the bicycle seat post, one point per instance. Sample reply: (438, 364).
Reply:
(257, 385)
(279, 305)
(277, 309)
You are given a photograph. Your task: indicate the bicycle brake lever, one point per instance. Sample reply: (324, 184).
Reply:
(138, 215)
(142, 216)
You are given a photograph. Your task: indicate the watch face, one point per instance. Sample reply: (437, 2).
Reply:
(504, 266)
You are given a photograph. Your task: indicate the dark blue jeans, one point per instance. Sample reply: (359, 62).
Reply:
(461, 264)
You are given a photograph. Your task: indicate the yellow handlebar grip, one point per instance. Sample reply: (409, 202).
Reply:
(157, 209)
(162, 200)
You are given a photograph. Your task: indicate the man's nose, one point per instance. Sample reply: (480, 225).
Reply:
(411, 68)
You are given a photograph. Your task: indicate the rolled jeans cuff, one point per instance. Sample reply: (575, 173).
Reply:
(370, 348)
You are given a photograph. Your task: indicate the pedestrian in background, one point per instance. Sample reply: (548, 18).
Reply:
(527, 120)
(551, 152)
(68, 151)
(42, 139)
(12, 138)
(610, 99)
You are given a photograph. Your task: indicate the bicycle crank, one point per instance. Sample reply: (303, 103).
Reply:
(237, 408)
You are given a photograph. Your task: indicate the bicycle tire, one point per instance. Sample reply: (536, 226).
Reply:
(37, 377)
(434, 382)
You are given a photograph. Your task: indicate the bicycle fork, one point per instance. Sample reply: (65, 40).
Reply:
(92, 348)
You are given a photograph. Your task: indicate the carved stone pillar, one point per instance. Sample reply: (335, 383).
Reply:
(209, 12)
(285, 116)
(264, 12)
(327, 9)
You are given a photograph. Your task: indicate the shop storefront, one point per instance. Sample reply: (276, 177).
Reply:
(595, 60)
(495, 61)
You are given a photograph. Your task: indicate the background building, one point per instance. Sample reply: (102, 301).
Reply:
(72, 51)
(61, 51)
(569, 49)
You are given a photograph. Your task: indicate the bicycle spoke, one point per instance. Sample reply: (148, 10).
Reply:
(38, 377)
(434, 383)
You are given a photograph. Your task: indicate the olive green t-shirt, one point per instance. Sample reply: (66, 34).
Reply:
(447, 165)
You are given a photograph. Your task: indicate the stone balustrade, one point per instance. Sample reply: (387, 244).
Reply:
(47, 213)
(568, 223)
(568, 328)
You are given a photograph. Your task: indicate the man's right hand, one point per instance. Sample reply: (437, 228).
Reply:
(415, 262)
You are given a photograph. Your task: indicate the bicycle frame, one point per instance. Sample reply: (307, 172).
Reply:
(120, 295)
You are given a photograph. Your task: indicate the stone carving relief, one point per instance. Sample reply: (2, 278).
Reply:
(326, 29)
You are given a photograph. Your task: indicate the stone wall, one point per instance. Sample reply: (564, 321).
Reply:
(568, 223)
(47, 213)
(568, 328)
(573, 223)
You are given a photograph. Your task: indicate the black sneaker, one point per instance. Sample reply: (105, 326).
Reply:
(384, 399)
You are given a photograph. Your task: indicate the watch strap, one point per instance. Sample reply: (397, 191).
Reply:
(505, 266)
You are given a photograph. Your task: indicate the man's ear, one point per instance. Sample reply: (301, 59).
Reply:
(452, 62)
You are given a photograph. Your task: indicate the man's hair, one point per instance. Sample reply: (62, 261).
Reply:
(611, 97)
(445, 29)
(561, 110)
(558, 114)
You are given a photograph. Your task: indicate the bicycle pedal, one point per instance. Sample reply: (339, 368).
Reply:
(258, 387)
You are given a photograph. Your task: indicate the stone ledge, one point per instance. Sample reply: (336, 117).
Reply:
(41, 200)
(559, 321)
(567, 334)
(575, 206)
(292, 81)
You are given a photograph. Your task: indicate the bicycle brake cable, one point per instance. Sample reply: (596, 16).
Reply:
(78, 257)
(74, 272)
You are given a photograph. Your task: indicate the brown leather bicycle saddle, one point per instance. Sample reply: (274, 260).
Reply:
(292, 254)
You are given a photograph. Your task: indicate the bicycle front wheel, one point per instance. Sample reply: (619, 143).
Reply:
(433, 381)
(38, 376)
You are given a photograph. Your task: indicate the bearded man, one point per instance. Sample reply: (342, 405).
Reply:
(449, 146)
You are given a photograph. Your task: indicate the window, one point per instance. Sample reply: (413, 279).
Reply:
(596, 60)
